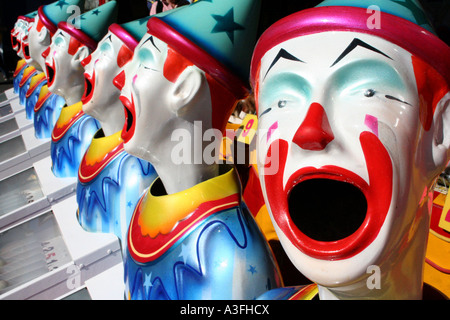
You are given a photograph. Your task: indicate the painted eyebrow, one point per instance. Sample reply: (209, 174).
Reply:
(153, 43)
(60, 33)
(396, 99)
(282, 54)
(109, 38)
(353, 45)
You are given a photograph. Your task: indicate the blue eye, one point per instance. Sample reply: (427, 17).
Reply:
(59, 41)
(105, 47)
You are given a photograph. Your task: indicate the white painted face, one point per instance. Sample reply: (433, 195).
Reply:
(38, 42)
(101, 66)
(63, 69)
(152, 102)
(19, 31)
(341, 110)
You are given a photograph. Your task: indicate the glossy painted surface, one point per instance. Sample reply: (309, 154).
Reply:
(110, 183)
(349, 116)
(201, 243)
(46, 113)
(71, 136)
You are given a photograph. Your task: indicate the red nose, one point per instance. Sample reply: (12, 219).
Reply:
(46, 52)
(119, 80)
(86, 61)
(315, 132)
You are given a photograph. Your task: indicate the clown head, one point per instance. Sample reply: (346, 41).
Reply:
(101, 98)
(354, 128)
(45, 26)
(175, 82)
(19, 34)
(72, 44)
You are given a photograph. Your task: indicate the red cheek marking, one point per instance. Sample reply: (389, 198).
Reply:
(125, 55)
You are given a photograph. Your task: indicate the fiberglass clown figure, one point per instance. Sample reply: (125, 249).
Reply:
(110, 181)
(354, 128)
(70, 45)
(43, 106)
(191, 236)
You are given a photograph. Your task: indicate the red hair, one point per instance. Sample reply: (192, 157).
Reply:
(431, 87)
(222, 100)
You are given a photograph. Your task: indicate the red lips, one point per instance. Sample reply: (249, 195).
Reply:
(377, 192)
(50, 70)
(89, 85)
(130, 115)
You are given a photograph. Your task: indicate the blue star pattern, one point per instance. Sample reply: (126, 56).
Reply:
(226, 24)
(61, 4)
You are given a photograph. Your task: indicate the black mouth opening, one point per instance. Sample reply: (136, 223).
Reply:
(88, 87)
(50, 74)
(26, 51)
(327, 210)
(129, 118)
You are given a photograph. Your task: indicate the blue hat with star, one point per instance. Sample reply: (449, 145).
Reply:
(216, 35)
(92, 25)
(53, 13)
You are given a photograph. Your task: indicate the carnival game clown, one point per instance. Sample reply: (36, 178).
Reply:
(191, 236)
(41, 105)
(355, 122)
(45, 26)
(70, 45)
(110, 181)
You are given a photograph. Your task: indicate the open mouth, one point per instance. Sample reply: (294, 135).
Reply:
(129, 126)
(14, 42)
(50, 73)
(89, 84)
(26, 51)
(326, 209)
(331, 213)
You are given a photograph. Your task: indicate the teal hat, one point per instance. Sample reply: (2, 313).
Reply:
(32, 15)
(53, 13)
(92, 25)
(217, 35)
(131, 32)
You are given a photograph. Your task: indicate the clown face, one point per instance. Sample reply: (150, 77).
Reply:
(18, 33)
(153, 103)
(339, 113)
(100, 68)
(38, 41)
(63, 66)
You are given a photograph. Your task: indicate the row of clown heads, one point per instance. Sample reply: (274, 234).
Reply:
(353, 128)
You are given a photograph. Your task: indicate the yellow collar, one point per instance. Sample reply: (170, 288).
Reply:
(160, 214)
(101, 146)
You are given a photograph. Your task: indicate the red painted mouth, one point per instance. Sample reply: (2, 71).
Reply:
(50, 70)
(14, 42)
(130, 115)
(331, 213)
(89, 85)
(26, 51)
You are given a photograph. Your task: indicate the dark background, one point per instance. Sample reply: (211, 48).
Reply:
(272, 10)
